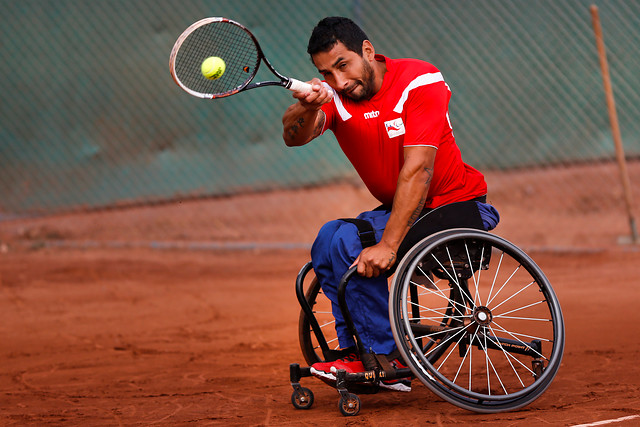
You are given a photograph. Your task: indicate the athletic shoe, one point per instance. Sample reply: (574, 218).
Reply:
(326, 370)
(399, 384)
(352, 364)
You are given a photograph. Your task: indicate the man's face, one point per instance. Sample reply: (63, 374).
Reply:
(347, 72)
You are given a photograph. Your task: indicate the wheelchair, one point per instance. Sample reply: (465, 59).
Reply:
(473, 316)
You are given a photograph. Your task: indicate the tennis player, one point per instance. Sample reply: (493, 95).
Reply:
(391, 119)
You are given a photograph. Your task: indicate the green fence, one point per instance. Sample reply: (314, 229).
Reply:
(90, 116)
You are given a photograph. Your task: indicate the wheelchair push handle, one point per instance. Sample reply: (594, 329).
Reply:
(344, 281)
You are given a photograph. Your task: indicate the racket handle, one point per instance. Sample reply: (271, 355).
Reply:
(298, 86)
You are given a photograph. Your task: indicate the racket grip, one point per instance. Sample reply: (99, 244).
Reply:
(298, 86)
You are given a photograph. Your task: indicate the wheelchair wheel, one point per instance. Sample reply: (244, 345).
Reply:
(349, 405)
(476, 320)
(321, 307)
(302, 398)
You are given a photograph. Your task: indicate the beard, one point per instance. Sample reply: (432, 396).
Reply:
(366, 84)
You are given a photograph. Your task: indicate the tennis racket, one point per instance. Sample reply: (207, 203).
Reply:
(237, 47)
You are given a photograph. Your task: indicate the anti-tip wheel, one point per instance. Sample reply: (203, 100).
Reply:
(302, 398)
(350, 405)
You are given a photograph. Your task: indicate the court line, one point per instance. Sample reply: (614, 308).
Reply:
(611, 421)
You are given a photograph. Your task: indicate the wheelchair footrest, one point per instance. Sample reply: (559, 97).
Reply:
(376, 375)
(346, 384)
(296, 372)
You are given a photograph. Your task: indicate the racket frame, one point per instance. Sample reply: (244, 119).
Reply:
(286, 82)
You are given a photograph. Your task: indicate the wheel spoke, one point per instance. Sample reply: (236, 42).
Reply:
(441, 316)
(523, 318)
(494, 369)
(455, 279)
(486, 359)
(507, 355)
(432, 334)
(450, 338)
(476, 280)
(519, 308)
(515, 270)
(438, 292)
(513, 335)
(328, 342)
(495, 277)
(514, 295)
(471, 357)
(453, 347)
(466, 353)
(327, 324)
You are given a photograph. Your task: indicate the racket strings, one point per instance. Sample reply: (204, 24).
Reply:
(222, 39)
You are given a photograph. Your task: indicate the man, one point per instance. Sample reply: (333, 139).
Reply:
(390, 117)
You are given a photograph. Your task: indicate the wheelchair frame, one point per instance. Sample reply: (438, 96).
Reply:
(449, 266)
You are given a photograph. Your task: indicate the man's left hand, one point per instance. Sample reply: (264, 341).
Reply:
(375, 260)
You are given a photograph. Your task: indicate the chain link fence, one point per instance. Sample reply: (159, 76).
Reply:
(91, 120)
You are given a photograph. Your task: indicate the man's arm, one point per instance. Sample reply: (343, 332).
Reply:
(304, 120)
(411, 194)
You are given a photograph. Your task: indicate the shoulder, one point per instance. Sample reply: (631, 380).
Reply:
(417, 82)
(410, 67)
(408, 74)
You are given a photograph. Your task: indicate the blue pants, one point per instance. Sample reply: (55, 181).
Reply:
(334, 251)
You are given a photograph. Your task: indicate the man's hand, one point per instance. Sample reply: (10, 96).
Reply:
(375, 260)
(408, 203)
(314, 99)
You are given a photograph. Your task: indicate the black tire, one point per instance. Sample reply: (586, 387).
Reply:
(302, 398)
(489, 320)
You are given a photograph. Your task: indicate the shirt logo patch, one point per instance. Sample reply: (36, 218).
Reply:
(394, 128)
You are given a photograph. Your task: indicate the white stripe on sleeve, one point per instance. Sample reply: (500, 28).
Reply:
(423, 80)
(344, 114)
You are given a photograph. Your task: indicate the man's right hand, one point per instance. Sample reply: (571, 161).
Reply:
(314, 99)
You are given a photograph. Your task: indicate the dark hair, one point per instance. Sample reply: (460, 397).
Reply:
(332, 30)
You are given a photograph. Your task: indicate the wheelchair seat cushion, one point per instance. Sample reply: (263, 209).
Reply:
(454, 215)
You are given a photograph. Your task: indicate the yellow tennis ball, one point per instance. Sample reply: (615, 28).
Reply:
(213, 67)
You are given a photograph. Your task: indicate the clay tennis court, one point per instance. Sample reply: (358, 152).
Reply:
(103, 322)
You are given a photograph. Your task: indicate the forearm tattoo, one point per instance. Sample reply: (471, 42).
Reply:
(300, 123)
(429, 172)
(416, 213)
(293, 130)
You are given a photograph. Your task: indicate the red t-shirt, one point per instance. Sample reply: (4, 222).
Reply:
(411, 109)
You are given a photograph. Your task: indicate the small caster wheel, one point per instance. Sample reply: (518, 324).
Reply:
(349, 405)
(302, 398)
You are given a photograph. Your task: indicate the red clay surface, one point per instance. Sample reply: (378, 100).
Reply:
(129, 337)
